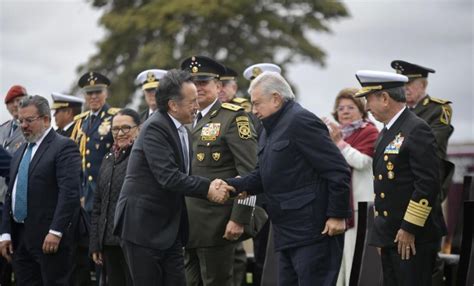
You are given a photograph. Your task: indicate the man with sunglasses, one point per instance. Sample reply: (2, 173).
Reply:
(224, 145)
(92, 132)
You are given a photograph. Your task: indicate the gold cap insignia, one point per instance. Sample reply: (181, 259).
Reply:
(150, 77)
(216, 156)
(256, 71)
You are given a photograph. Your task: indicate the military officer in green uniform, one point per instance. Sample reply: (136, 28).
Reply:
(229, 90)
(224, 145)
(436, 112)
(408, 221)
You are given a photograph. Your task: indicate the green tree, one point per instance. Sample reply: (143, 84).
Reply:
(143, 34)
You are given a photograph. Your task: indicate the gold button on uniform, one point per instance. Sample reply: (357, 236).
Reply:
(385, 213)
(382, 195)
(90, 178)
(380, 177)
(88, 152)
(88, 165)
(88, 139)
(376, 213)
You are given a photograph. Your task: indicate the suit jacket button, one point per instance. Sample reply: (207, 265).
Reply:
(385, 213)
(376, 213)
(90, 178)
(380, 177)
(382, 195)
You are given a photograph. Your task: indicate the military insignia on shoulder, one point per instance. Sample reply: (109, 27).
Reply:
(81, 115)
(216, 156)
(440, 101)
(243, 126)
(104, 128)
(210, 131)
(446, 113)
(395, 145)
(239, 100)
(232, 107)
(113, 110)
(426, 101)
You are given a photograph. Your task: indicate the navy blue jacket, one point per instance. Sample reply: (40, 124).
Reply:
(5, 158)
(53, 190)
(303, 174)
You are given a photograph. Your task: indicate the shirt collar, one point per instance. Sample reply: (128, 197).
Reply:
(206, 110)
(38, 142)
(68, 125)
(175, 121)
(392, 121)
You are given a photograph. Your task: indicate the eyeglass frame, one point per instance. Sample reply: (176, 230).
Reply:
(29, 120)
(116, 130)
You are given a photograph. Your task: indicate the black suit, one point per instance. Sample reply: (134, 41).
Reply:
(5, 158)
(67, 132)
(53, 204)
(406, 184)
(151, 215)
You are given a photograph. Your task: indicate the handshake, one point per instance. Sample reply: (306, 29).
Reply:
(219, 191)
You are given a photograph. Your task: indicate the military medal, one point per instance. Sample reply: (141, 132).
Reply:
(216, 156)
(390, 174)
(210, 131)
(200, 156)
(395, 145)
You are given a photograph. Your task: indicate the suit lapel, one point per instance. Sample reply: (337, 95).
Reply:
(390, 134)
(41, 149)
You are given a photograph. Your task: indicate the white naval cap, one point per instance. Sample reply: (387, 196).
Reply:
(372, 81)
(254, 70)
(150, 78)
(63, 100)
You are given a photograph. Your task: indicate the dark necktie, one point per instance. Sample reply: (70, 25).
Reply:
(14, 127)
(198, 117)
(21, 194)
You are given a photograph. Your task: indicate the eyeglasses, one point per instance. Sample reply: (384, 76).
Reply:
(124, 128)
(29, 120)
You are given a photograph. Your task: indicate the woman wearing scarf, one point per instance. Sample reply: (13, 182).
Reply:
(355, 135)
(104, 246)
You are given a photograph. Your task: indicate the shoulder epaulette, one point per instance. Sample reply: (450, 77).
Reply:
(82, 115)
(440, 101)
(113, 110)
(232, 107)
(239, 100)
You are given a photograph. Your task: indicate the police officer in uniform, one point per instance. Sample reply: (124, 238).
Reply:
(92, 133)
(408, 221)
(149, 80)
(436, 112)
(224, 145)
(66, 108)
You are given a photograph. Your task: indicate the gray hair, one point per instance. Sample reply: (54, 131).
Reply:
(39, 102)
(272, 82)
(397, 94)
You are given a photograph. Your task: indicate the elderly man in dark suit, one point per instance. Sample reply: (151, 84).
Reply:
(408, 220)
(306, 181)
(151, 216)
(42, 203)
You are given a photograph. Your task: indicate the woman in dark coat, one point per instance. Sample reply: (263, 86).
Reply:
(104, 246)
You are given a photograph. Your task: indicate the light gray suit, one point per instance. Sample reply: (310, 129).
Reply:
(11, 144)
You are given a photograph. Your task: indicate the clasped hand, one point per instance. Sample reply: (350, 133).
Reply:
(219, 191)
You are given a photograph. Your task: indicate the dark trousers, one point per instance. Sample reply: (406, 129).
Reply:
(416, 271)
(116, 266)
(260, 251)
(210, 266)
(240, 264)
(32, 267)
(155, 267)
(316, 264)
